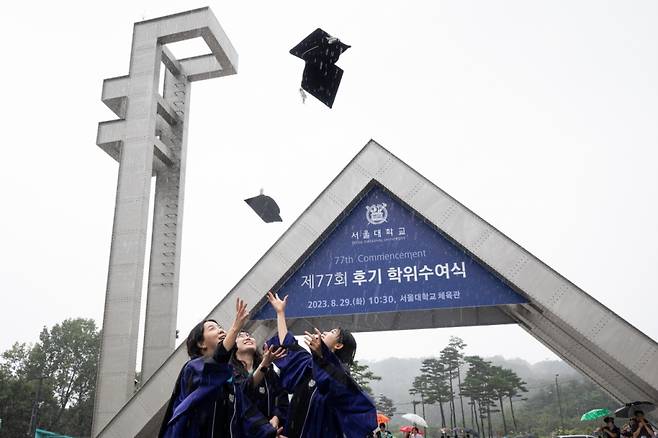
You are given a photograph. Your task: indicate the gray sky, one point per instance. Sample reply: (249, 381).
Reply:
(541, 116)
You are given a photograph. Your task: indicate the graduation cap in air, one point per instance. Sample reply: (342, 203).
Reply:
(320, 51)
(265, 207)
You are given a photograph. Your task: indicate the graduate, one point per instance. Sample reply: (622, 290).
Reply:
(205, 402)
(254, 375)
(326, 402)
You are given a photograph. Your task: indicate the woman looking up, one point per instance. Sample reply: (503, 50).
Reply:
(259, 383)
(326, 402)
(196, 403)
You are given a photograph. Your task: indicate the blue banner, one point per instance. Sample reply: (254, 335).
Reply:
(384, 258)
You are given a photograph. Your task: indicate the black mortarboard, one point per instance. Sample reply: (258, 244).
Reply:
(320, 51)
(265, 207)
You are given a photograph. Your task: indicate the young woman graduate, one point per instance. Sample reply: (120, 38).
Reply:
(254, 375)
(205, 403)
(326, 401)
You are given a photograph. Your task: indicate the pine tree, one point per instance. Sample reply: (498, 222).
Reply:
(459, 345)
(478, 386)
(363, 376)
(432, 383)
(385, 405)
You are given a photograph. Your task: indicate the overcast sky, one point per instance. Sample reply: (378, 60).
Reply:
(540, 116)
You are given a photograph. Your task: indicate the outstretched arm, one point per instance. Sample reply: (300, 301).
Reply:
(269, 356)
(241, 317)
(279, 306)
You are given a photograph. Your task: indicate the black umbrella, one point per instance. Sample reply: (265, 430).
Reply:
(629, 409)
(265, 207)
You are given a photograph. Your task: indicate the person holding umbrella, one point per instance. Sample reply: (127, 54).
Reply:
(639, 427)
(414, 433)
(609, 429)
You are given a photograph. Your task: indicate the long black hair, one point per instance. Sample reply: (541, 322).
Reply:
(195, 338)
(238, 366)
(346, 354)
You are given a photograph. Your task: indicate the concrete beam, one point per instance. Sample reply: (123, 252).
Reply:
(110, 131)
(192, 24)
(114, 94)
(163, 153)
(199, 68)
(167, 111)
(170, 61)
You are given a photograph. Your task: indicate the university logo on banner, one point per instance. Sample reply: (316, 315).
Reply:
(382, 257)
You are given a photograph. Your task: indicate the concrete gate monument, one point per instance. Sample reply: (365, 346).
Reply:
(381, 248)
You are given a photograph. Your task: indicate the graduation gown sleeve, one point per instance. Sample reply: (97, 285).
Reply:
(294, 365)
(281, 401)
(355, 411)
(198, 386)
(251, 422)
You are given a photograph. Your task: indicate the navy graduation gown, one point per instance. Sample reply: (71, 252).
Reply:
(208, 403)
(269, 397)
(193, 405)
(248, 421)
(326, 402)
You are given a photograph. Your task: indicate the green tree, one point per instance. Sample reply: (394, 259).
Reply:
(578, 396)
(478, 386)
(458, 344)
(385, 405)
(452, 359)
(500, 381)
(363, 375)
(66, 357)
(71, 352)
(419, 388)
(16, 391)
(432, 384)
(515, 387)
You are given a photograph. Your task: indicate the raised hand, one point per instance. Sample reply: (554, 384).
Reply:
(241, 317)
(277, 303)
(241, 314)
(279, 432)
(314, 342)
(272, 354)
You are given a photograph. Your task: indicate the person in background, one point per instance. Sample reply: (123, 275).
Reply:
(382, 432)
(638, 427)
(609, 429)
(415, 433)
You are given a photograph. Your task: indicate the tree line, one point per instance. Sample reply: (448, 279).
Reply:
(468, 390)
(60, 372)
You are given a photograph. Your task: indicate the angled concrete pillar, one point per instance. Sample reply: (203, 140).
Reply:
(149, 139)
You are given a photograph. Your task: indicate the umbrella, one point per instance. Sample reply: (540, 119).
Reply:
(381, 418)
(415, 419)
(629, 409)
(408, 429)
(594, 414)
